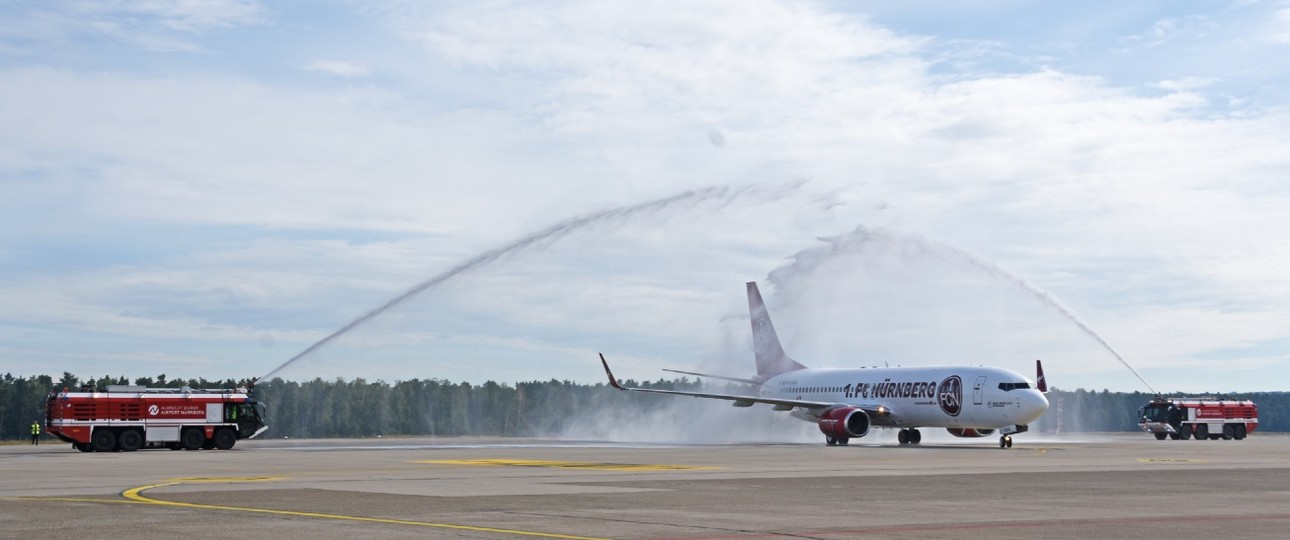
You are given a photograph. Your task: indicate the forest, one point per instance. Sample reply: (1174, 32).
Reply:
(432, 407)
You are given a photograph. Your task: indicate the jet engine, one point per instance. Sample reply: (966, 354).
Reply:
(969, 432)
(844, 423)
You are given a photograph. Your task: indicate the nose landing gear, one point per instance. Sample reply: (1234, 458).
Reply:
(1005, 441)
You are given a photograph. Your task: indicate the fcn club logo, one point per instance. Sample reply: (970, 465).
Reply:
(950, 395)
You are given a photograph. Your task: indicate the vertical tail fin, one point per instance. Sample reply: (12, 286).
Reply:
(770, 356)
(1040, 383)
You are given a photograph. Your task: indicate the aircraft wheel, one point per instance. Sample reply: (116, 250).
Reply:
(915, 436)
(830, 441)
(903, 437)
(1161, 436)
(1005, 441)
(843, 441)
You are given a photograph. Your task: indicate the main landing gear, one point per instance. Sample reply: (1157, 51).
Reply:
(835, 441)
(1005, 441)
(909, 436)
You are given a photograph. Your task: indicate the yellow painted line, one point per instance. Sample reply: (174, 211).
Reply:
(1169, 460)
(136, 496)
(587, 465)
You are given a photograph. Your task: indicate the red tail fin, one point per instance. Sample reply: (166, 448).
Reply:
(1040, 383)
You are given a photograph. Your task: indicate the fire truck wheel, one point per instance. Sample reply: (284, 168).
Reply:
(1161, 436)
(1229, 432)
(130, 440)
(225, 439)
(1240, 431)
(84, 447)
(103, 440)
(192, 439)
(1185, 433)
(1202, 432)
(1174, 436)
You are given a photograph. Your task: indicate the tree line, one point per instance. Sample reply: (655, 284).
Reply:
(419, 407)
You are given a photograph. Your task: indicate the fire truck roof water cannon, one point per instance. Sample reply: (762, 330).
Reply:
(1202, 418)
(127, 418)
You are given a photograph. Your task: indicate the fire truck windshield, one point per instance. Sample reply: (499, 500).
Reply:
(1155, 413)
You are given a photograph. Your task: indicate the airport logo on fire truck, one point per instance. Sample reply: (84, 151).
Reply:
(177, 410)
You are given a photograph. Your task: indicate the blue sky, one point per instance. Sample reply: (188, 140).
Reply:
(206, 188)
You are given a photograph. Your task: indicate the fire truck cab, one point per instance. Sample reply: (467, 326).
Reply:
(1202, 418)
(127, 418)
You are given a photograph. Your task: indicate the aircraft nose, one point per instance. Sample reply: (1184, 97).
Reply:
(1034, 404)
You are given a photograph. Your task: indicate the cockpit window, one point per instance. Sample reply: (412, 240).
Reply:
(1007, 386)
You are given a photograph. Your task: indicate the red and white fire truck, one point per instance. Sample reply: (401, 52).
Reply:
(128, 418)
(1203, 418)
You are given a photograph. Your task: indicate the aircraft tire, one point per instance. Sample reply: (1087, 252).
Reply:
(903, 437)
(830, 441)
(915, 436)
(843, 441)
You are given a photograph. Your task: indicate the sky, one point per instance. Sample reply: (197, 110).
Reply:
(207, 188)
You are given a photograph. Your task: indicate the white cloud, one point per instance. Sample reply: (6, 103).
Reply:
(1145, 209)
(1280, 33)
(339, 68)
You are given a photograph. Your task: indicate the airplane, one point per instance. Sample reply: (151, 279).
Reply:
(968, 401)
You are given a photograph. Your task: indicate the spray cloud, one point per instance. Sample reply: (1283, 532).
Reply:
(721, 196)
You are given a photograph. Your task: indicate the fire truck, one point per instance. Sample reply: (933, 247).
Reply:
(127, 418)
(1202, 418)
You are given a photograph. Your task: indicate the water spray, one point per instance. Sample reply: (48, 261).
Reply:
(723, 195)
(854, 241)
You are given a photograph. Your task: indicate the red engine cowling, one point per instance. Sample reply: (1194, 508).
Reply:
(969, 432)
(844, 423)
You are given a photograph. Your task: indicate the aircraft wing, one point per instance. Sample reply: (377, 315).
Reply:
(753, 382)
(739, 401)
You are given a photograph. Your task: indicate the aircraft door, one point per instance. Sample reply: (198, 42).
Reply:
(978, 390)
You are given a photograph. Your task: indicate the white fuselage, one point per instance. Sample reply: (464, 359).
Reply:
(939, 396)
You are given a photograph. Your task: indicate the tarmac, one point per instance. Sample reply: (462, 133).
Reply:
(1078, 486)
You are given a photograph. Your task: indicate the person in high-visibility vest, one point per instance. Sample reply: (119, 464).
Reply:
(35, 433)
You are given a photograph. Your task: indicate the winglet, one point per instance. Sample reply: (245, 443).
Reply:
(1040, 383)
(612, 381)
